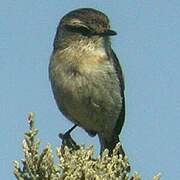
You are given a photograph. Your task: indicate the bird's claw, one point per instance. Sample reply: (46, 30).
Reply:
(68, 141)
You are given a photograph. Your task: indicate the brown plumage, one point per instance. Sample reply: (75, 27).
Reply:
(86, 76)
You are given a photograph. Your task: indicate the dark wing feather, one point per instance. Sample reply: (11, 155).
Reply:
(119, 73)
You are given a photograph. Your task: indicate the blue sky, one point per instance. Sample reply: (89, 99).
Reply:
(148, 46)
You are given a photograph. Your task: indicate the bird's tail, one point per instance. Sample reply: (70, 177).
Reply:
(110, 144)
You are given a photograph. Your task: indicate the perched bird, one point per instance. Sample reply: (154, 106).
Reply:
(86, 76)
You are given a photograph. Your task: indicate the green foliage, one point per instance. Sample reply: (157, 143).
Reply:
(36, 166)
(73, 164)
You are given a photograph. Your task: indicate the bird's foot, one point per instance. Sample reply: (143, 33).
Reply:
(67, 139)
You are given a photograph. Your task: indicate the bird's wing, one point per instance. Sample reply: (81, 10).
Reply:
(117, 67)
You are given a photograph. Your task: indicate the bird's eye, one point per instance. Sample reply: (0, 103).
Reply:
(79, 29)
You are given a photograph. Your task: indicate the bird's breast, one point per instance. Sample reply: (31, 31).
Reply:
(87, 91)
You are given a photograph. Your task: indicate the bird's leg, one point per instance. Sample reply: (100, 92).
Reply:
(67, 133)
(67, 139)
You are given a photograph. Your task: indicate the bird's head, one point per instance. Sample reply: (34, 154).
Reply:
(81, 24)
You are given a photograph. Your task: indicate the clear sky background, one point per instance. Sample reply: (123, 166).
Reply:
(148, 45)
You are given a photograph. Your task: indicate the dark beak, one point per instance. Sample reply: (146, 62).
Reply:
(109, 33)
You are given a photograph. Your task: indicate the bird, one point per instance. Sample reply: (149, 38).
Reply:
(86, 77)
